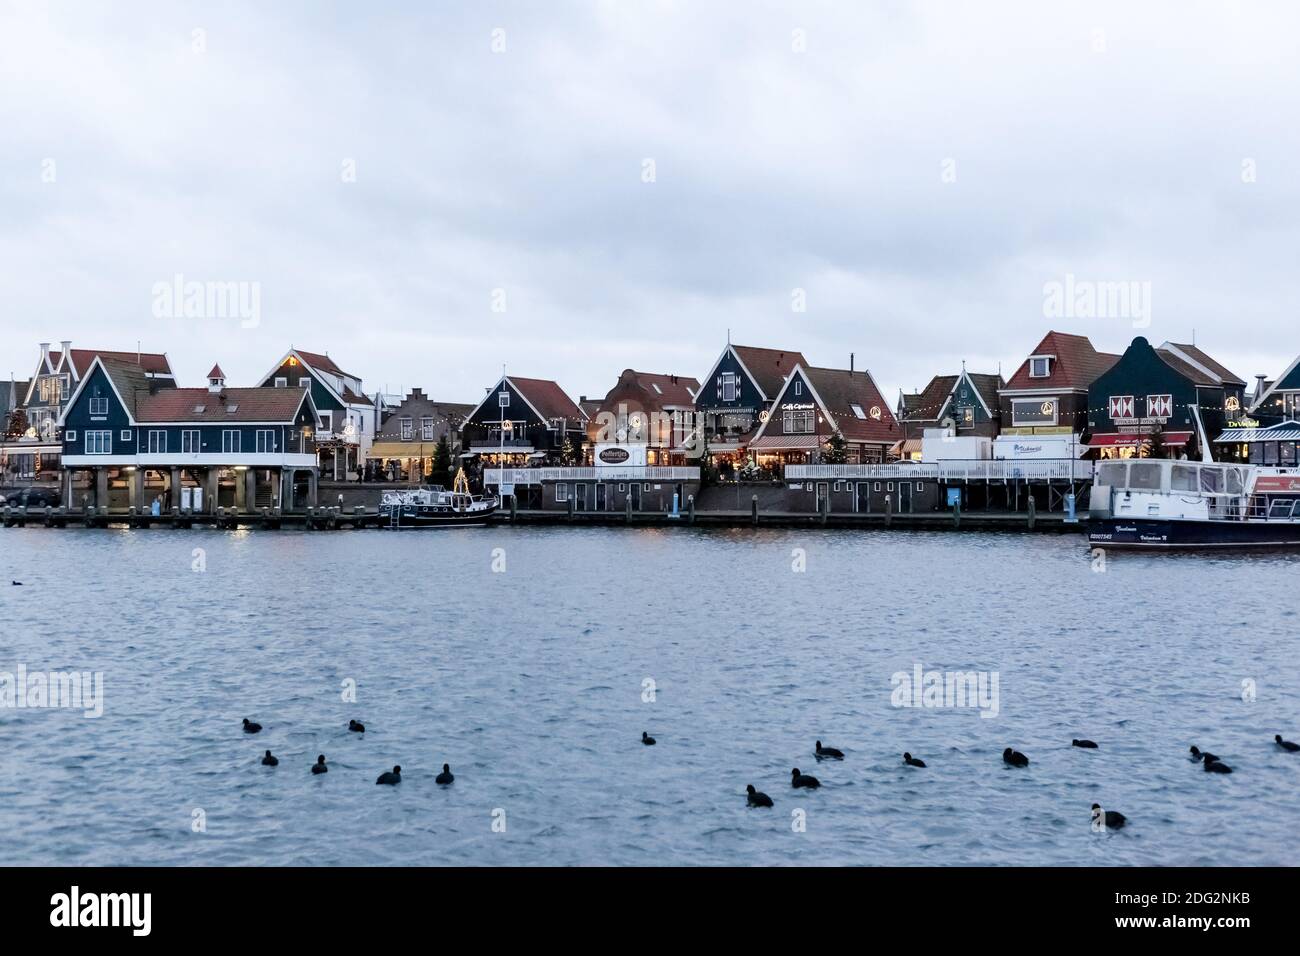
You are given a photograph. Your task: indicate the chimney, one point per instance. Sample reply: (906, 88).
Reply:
(850, 363)
(67, 347)
(581, 399)
(45, 352)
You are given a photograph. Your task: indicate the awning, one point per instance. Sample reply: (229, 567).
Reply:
(402, 449)
(786, 443)
(910, 446)
(1130, 440)
(1286, 431)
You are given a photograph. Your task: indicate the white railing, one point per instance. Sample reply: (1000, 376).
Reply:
(535, 476)
(997, 469)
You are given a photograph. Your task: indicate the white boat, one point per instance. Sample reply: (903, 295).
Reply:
(435, 507)
(1154, 503)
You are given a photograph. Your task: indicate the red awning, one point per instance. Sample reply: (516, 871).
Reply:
(786, 443)
(1128, 440)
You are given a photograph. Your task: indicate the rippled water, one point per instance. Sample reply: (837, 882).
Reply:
(530, 683)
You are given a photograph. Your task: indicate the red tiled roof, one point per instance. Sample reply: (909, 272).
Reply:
(769, 367)
(321, 361)
(152, 362)
(548, 398)
(1077, 363)
(840, 389)
(1225, 377)
(216, 372)
(931, 398)
(250, 404)
(664, 389)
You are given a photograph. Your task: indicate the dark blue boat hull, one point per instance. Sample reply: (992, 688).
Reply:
(1127, 533)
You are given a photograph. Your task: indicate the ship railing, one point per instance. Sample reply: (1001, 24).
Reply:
(535, 476)
(1231, 508)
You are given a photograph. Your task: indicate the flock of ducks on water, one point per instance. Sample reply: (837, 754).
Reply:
(1113, 819)
(387, 778)
(798, 779)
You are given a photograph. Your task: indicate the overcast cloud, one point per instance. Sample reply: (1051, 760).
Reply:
(1108, 141)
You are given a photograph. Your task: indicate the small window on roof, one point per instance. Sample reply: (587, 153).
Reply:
(231, 409)
(857, 410)
(200, 409)
(658, 390)
(1040, 366)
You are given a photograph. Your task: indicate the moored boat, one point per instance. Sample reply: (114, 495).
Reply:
(435, 507)
(1152, 503)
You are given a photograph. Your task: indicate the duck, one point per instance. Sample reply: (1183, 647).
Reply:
(1113, 818)
(391, 778)
(356, 727)
(1216, 766)
(270, 761)
(647, 739)
(251, 728)
(1015, 758)
(757, 798)
(829, 752)
(16, 584)
(1201, 754)
(912, 761)
(1085, 744)
(798, 779)
(445, 777)
(1286, 744)
(319, 765)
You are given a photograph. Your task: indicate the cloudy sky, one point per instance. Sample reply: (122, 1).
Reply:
(429, 190)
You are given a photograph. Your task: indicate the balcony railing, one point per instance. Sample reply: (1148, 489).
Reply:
(535, 476)
(998, 469)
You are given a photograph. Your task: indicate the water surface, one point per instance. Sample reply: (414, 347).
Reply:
(530, 683)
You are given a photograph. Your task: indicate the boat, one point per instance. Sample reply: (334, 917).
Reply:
(1154, 503)
(435, 507)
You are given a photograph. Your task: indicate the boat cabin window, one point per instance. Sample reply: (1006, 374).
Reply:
(1234, 481)
(1110, 474)
(1183, 478)
(1281, 508)
(1144, 475)
(1211, 479)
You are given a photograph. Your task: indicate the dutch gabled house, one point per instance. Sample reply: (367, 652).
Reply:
(646, 419)
(967, 404)
(349, 419)
(35, 454)
(737, 395)
(818, 409)
(408, 439)
(1044, 405)
(525, 421)
(1166, 402)
(241, 447)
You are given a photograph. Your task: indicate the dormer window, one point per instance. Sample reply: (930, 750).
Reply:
(727, 386)
(1040, 366)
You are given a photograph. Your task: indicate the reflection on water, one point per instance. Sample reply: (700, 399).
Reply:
(536, 682)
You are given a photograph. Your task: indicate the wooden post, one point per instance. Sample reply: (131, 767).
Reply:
(753, 509)
(690, 509)
(627, 509)
(1031, 512)
(514, 508)
(956, 514)
(568, 504)
(889, 510)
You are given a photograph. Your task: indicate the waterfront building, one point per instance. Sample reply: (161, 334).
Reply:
(131, 442)
(1166, 402)
(830, 415)
(963, 408)
(1278, 400)
(1044, 405)
(408, 438)
(348, 418)
(737, 395)
(522, 422)
(34, 455)
(646, 419)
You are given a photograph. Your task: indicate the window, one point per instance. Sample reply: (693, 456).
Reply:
(265, 441)
(406, 428)
(966, 416)
(326, 421)
(1144, 476)
(125, 435)
(798, 388)
(190, 441)
(1211, 479)
(561, 491)
(1160, 406)
(1040, 366)
(797, 421)
(230, 441)
(1121, 406)
(70, 435)
(99, 442)
(877, 486)
(837, 486)
(64, 381)
(920, 486)
(1182, 478)
(157, 442)
(304, 382)
(426, 428)
(281, 381)
(727, 387)
(98, 406)
(857, 411)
